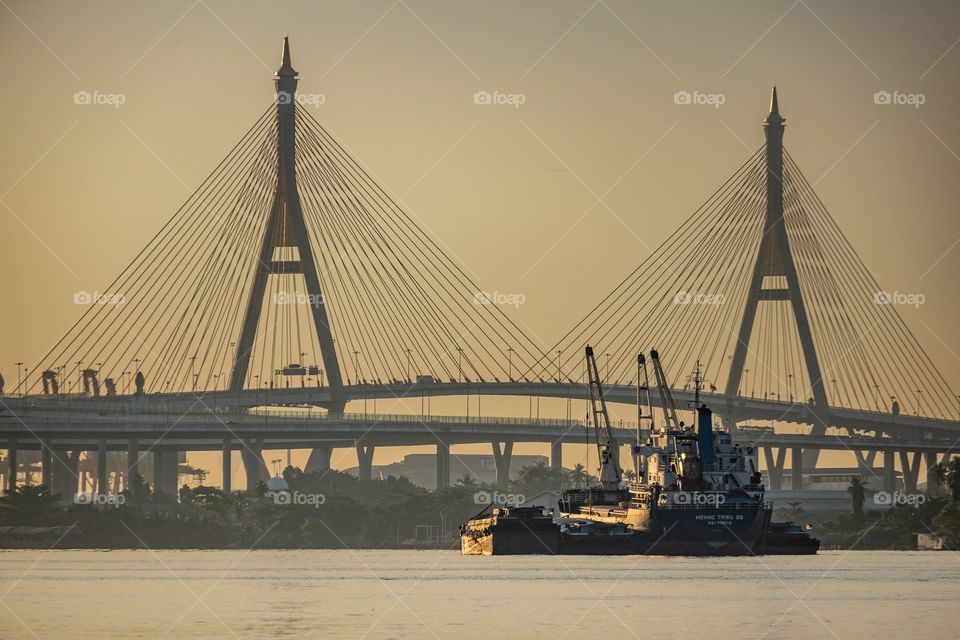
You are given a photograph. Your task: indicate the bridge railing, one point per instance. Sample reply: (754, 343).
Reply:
(138, 413)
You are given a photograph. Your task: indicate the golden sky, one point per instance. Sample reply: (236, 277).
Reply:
(512, 191)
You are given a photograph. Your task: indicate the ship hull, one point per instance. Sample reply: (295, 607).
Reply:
(706, 532)
(502, 536)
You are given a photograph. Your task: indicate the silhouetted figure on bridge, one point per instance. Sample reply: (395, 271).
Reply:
(111, 387)
(895, 407)
(138, 381)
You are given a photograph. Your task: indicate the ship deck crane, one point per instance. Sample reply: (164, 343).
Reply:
(610, 471)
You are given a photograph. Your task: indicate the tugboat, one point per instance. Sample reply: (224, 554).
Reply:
(698, 493)
(789, 539)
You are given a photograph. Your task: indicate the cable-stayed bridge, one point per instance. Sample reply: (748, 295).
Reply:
(291, 278)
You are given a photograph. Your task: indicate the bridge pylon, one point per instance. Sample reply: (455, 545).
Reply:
(775, 276)
(286, 229)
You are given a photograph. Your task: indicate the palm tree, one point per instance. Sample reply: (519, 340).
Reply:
(466, 480)
(936, 477)
(579, 476)
(858, 493)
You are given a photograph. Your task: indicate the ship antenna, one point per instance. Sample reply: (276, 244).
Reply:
(697, 381)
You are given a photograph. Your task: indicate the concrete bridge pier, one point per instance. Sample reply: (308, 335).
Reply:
(46, 466)
(227, 466)
(102, 486)
(933, 490)
(865, 459)
(365, 461)
(133, 461)
(443, 465)
(796, 468)
(556, 455)
(253, 464)
(889, 473)
(319, 459)
(501, 458)
(12, 465)
(775, 466)
(65, 469)
(165, 472)
(910, 468)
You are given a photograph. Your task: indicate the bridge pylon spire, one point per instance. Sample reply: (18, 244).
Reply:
(287, 229)
(775, 273)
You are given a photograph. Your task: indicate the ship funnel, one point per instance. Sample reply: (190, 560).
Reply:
(705, 435)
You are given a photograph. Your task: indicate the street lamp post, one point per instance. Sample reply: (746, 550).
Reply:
(510, 364)
(19, 377)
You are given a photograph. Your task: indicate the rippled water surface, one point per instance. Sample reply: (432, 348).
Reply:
(439, 594)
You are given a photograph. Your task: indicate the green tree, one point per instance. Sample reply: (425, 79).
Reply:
(30, 505)
(936, 477)
(947, 524)
(793, 512)
(858, 495)
(953, 478)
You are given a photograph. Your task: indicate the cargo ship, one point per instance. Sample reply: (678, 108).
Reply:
(697, 492)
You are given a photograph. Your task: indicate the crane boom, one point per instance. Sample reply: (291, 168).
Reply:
(610, 472)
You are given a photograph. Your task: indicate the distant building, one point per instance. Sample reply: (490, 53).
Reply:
(825, 489)
(929, 542)
(421, 468)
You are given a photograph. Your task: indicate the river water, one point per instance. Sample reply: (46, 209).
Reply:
(439, 594)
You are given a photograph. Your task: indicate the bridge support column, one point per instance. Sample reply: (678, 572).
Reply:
(910, 470)
(133, 462)
(865, 459)
(165, 471)
(933, 488)
(12, 465)
(796, 468)
(46, 466)
(227, 466)
(443, 465)
(253, 465)
(59, 470)
(556, 456)
(889, 473)
(775, 467)
(319, 460)
(102, 467)
(365, 461)
(501, 458)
